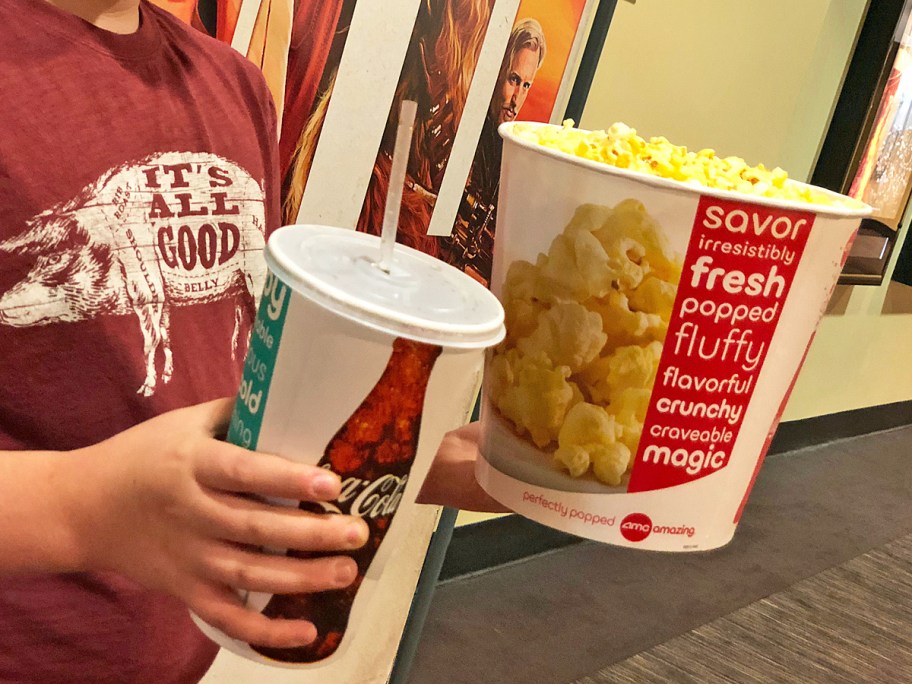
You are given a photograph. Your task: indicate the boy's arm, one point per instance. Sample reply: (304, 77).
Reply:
(168, 505)
(38, 490)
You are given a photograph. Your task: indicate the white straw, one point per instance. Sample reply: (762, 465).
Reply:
(396, 182)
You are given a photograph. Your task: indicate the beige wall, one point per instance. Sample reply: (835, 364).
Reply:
(860, 356)
(711, 73)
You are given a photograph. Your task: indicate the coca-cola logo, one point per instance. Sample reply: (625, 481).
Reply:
(636, 527)
(372, 499)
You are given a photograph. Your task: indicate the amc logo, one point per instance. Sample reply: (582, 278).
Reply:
(636, 527)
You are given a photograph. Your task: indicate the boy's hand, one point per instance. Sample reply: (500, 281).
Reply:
(173, 508)
(451, 479)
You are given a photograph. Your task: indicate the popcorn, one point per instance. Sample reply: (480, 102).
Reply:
(588, 424)
(568, 334)
(624, 324)
(654, 295)
(631, 405)
(620, 146)
(577, 268)
(535, 395)
(575, 459)
(632, 367)
(589, 436)
(585, 328)
(629, 231)
(611, 462)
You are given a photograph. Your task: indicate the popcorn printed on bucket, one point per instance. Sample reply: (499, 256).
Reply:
(585, 328)
(620, 146)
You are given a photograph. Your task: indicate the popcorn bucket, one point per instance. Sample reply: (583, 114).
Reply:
(655, 329)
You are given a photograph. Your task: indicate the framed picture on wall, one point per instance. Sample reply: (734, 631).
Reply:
(528, 87)
(334, 68)
(883, 178)
(868, 150)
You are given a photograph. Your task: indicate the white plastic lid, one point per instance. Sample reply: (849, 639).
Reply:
(421, 297)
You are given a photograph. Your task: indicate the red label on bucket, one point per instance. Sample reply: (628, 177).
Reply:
(737, 274)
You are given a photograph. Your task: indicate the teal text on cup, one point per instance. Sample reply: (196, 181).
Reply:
(260, 363)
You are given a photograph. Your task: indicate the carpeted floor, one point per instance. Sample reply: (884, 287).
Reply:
(852, 623)
(826, 529)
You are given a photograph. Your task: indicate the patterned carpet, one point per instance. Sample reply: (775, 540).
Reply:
(815, 587)
(852, 623)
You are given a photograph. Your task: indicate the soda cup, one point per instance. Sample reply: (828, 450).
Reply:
(361, 371)
(655, 329)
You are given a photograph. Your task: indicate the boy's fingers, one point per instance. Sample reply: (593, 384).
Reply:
(230, 468)
(246, 521)
(221, 608)
(253, 571)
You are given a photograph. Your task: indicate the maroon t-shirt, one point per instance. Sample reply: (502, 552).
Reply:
(138, 180)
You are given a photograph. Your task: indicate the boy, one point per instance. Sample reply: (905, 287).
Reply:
(138, 181)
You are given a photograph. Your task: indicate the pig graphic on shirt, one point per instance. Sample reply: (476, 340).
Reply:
(172, 229)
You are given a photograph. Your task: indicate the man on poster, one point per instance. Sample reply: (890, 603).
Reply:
(473, 238)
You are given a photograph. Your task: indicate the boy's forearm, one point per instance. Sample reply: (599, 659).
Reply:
(42, 497)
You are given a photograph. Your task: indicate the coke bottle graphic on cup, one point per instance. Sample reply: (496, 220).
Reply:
(373, 453)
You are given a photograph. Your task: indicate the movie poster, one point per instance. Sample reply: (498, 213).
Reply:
(884, 174)
(438, 73)
(319, 34)
(452, 64)
(527, 88)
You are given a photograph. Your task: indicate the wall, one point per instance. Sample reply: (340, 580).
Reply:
(711, 73)
(860, 356)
